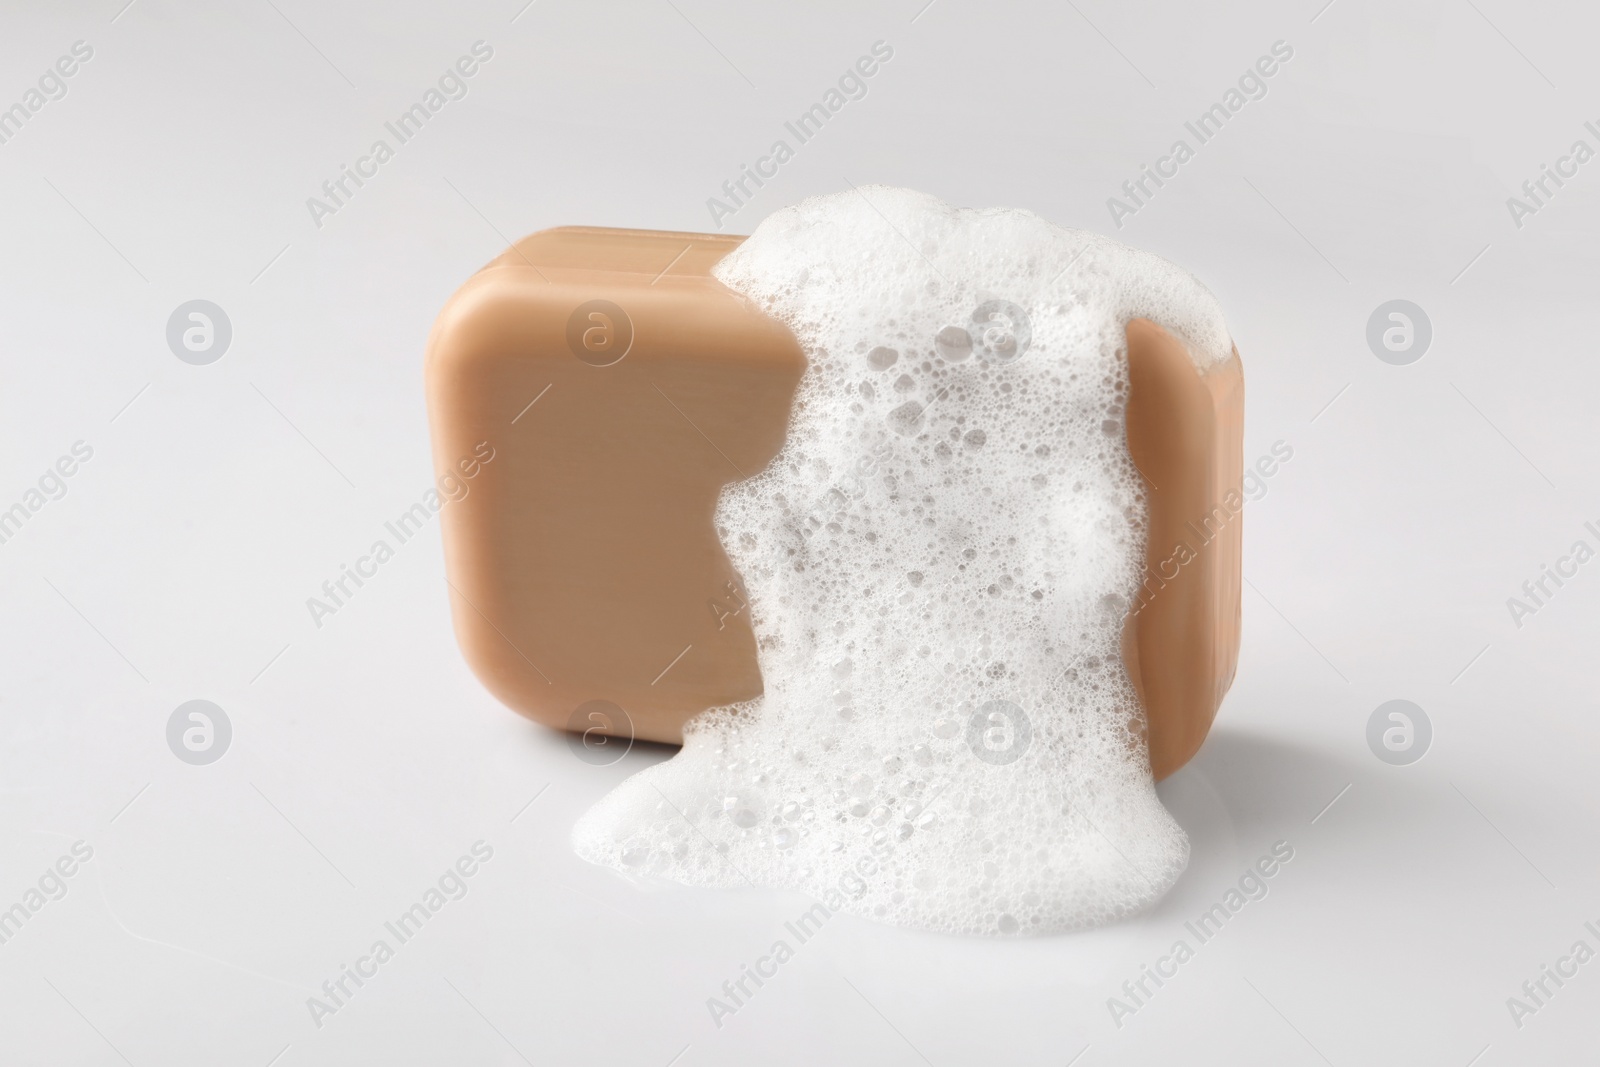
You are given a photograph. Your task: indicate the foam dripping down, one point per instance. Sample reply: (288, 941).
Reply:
(938, 564)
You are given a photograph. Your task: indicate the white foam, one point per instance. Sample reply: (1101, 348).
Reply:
(938, 564)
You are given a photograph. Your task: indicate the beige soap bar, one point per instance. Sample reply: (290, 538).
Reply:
(621, 386)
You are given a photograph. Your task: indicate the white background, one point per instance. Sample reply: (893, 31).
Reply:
(366, 758)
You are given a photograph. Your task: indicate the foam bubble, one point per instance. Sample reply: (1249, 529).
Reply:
(938, 563)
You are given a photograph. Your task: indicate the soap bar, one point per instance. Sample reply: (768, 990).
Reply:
(620, 386)
(1181, 640)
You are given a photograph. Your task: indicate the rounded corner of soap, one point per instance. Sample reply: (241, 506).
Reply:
(517, 690)
(470, 325)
